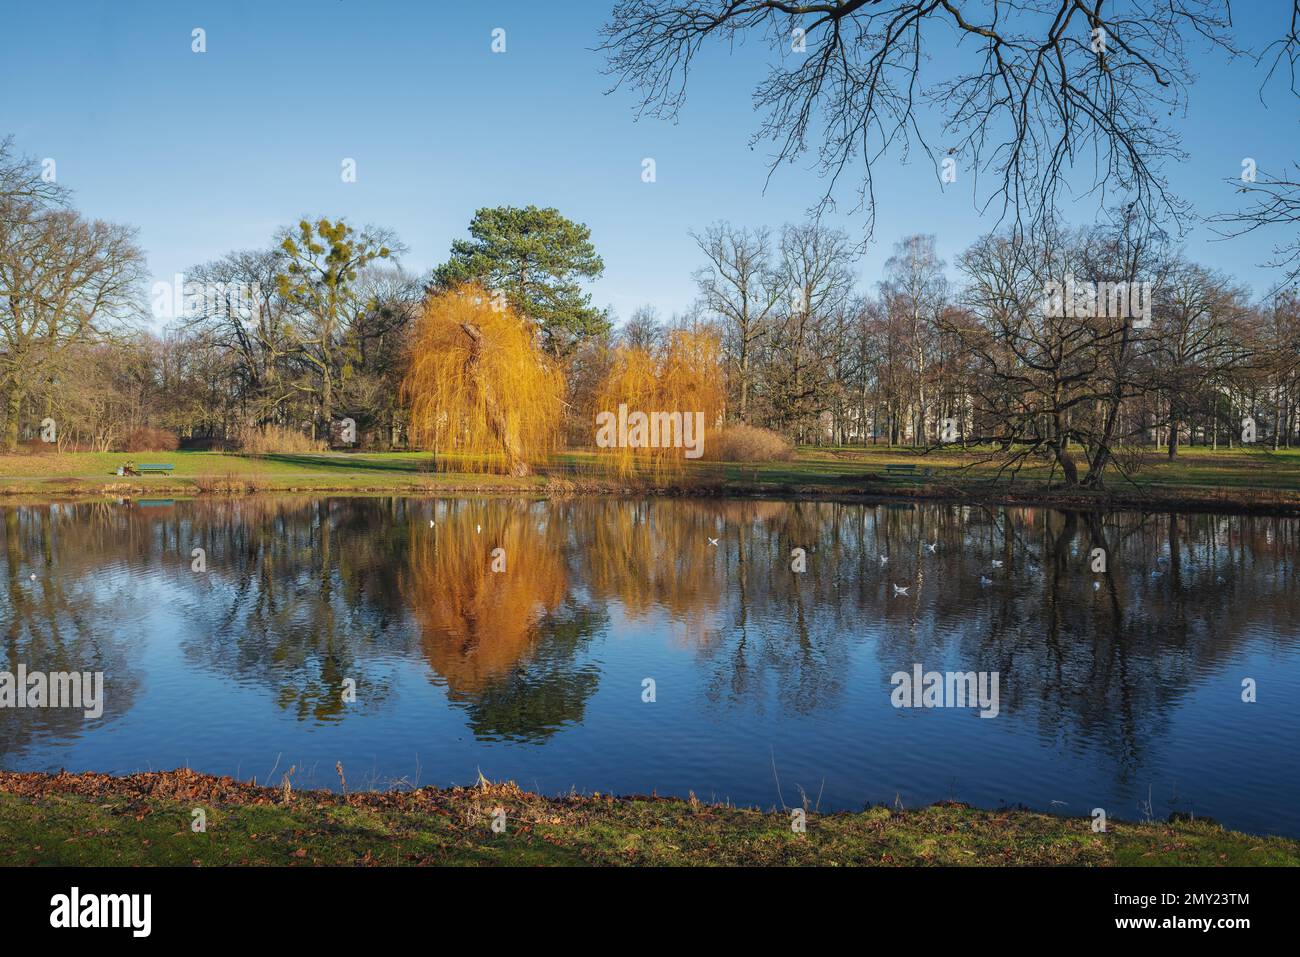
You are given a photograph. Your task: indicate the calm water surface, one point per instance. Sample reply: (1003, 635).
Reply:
(1120, 690)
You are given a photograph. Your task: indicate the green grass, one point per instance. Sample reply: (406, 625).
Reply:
(198, 471)
(146, 820)
(1227, 476)
(1257, 467)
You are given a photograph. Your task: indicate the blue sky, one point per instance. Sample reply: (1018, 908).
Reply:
(213, 152)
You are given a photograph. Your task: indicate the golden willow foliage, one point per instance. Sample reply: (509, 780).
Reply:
(479, 384)
(684, 377)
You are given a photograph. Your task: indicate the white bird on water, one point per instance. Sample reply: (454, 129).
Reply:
(985, 581)
(478, 529)
(931, 547)
(996, 563)
(884, 559)
(901, 589)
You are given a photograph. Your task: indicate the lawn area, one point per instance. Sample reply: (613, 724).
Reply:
(1222, 476)
(205, 471)
(145, 819)
(1193, 467)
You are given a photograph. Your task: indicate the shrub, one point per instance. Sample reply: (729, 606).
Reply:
(208, 443)
(747, 443)
(227, 484)
(37, 447)
(273, 438)
(148, 439)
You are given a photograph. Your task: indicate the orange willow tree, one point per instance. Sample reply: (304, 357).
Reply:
(657, 409)
(479, 383)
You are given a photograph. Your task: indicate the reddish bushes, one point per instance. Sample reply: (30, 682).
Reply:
(148, 439)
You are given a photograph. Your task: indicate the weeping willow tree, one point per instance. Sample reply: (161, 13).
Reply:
(656, 408)
(479, 384)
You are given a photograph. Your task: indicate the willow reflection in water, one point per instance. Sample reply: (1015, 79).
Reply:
(1119, 690)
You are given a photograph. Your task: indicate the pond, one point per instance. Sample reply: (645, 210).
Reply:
(670, 646)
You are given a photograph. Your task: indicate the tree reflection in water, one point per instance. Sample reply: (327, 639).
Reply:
(504, 643)
(302, 593)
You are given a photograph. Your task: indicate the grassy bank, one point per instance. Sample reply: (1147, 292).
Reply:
(94, 819)
(1198, 478)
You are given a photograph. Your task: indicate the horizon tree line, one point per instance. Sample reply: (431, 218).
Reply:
(321, 324)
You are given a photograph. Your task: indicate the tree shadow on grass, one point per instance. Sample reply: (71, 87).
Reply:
(348, 463)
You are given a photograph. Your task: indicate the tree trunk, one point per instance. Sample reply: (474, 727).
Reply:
(1096, 470)
(12, 408)
(327, 409)
(744, 384)
(1066, 462)
(515, 463)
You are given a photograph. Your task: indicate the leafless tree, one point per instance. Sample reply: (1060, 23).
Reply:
(249, 320)
(1055, 84)
(23, 186)
(815, 274)
(1284, 53)
(1197, 341)
(1273, 201)
(741, 287)
(914, 292)
(643, 330)
(1037, 378)
(64, 281)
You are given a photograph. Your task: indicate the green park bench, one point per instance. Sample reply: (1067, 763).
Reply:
(908, 470)
(131, 469)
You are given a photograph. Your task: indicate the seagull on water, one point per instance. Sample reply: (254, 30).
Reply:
(901, 589)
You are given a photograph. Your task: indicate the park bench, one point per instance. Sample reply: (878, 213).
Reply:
(908, 470)
(130, 469)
